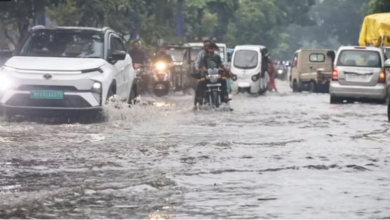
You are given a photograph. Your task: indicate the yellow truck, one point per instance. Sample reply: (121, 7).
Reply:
(376, 32)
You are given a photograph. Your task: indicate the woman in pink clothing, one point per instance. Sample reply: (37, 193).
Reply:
(272, 75)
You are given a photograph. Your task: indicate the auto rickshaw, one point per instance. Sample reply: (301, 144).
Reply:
(181, 69)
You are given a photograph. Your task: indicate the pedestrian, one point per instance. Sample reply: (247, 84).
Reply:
(272, 75)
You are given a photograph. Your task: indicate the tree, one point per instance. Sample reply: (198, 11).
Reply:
(16, 16)
(378, 6)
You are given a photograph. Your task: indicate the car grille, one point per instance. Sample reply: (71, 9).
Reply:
(53, 88)
(69, 101)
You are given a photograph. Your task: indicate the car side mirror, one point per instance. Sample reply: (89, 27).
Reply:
(117, 56)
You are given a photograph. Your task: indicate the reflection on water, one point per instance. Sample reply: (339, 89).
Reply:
(163, 104)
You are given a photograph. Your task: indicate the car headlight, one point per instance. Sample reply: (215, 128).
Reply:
(234, 77)
(5, 83)
(280, 71)
(96, 87)
(161, 66)
(255, 77)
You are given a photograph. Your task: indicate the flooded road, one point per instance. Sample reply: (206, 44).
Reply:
(282, 155)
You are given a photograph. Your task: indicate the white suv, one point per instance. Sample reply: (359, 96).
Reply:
(66, 69)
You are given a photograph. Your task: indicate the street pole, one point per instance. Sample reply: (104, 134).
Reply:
(179, 26)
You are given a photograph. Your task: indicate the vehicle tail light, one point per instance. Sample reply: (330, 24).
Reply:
(335, 75)
(382, 77)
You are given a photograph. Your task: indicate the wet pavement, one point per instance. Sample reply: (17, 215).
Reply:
(281, 155)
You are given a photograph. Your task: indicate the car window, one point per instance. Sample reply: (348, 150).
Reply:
(317, 57)
(295, 60)
(63, 43)
(359, 58)
(177, 54)
(194, 53)
(246, 59)
(387, 53)
(116, 44)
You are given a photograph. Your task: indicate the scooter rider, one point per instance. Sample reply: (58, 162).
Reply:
(163, 56)
(210, 60)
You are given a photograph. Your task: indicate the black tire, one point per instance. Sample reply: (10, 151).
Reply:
(111, 92)
(295, 86)
(313, 87)
(388, 111)
(215, 99)
(335, 100)
(132, 95)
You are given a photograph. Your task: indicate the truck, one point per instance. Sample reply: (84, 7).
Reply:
(375, 32)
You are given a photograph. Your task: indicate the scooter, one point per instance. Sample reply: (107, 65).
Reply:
(162, 82)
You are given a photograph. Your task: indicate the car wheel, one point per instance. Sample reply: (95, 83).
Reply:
(132, 95)
(295, 86)
(111, 92)
(335, 100)
(312, 87)
(388, 111)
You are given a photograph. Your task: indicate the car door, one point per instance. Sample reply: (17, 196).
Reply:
(294, 70)
(128, 70)
(119, 67)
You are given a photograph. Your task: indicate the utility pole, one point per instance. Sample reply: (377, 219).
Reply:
(179, 26)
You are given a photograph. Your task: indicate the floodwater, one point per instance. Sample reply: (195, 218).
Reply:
(281, 155)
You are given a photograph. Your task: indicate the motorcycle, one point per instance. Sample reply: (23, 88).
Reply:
(143, 78)
(212, 95)
(162, 82)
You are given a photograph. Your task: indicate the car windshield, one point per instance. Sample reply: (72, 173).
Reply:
(245, 59)
(63, 43)
(194, 53)
(177, 54)
(359, 58)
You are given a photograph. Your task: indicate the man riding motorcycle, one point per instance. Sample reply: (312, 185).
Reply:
(210, 60)
(137, 54)
(200, 58)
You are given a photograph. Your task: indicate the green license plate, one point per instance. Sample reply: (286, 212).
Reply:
(47, 94)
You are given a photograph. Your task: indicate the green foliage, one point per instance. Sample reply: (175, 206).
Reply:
(378, 6)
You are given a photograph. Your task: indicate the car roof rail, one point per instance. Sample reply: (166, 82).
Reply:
(36, 27)
(104, 29)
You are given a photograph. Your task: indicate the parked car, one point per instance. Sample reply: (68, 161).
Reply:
(311, 70)
(66, 70)
(359, 74)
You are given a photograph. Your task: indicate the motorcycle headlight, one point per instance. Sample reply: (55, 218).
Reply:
(161, 66)
(280, 71)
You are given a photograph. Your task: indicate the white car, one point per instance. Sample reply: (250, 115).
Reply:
(66, 69)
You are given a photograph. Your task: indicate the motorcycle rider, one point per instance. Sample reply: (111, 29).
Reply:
(200, 57)
(162, 56)
(138, 55)
(212, 61)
